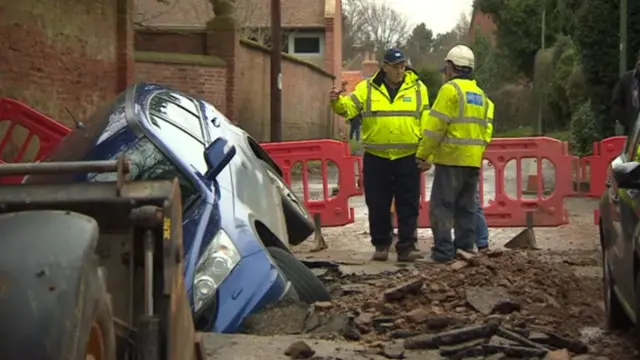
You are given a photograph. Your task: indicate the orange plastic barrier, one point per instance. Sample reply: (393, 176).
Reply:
(333, 210)
(505, 211)
(603, 153)
(48, 132)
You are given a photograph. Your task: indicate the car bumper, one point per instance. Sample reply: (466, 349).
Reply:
(253, 283)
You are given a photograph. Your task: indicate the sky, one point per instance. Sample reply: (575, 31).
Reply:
(439, 15)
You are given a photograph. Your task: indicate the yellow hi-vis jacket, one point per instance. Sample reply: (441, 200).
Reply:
(390, 128)
(459, 125)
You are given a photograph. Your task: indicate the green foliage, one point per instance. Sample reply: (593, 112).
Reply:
(596, 38)
(561, 65)
(515, 107)
(434, 79)
(519, 29)
(491, 69)
(419, 45)
(633, 41)
(585, 130)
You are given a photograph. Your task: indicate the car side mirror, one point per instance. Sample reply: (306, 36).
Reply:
(217, 156)
(627, 175)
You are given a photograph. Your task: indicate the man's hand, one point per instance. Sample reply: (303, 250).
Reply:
(423, 165)
(334, 94)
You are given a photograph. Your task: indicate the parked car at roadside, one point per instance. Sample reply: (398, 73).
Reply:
(239, 216)
(620, 237)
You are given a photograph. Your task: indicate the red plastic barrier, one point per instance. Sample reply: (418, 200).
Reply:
(333, 210)
(48, 131)
(603, 153)
(505, 211)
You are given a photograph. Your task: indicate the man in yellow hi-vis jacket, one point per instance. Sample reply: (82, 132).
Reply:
(393, 103)
(455, 136)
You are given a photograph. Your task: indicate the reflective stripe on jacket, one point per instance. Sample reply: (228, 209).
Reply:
(390, 128)
(458, 128)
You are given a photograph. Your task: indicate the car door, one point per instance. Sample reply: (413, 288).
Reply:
(625, 222)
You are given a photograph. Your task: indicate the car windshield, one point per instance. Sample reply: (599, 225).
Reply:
(146, 161)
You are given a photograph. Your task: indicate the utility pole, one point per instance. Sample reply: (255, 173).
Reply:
(623, 51)
(276, 72)
(542, 46)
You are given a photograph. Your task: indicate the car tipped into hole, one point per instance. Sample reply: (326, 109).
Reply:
(239, 216)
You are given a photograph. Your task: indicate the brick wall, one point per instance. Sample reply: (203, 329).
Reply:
(201, 76)
(234, 75)
(56, 54)
(305, 96)
(483, 24)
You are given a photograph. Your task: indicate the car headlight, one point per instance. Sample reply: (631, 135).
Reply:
(215, 264)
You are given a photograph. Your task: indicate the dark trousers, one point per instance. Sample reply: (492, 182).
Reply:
(453, 204)
(385, 179)
(354, 129)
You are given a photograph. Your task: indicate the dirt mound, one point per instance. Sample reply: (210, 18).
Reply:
(515, 288)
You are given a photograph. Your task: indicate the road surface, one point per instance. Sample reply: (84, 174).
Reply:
(557, 287)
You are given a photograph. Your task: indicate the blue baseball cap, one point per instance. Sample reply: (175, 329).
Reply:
(394, 56)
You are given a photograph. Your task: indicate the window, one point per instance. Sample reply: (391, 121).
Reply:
(147, 162)
(306, 45)
(179, 111)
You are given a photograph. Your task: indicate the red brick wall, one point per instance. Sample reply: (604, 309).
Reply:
(204, 81)
(57, 54)
(482, 23)
(305, 96)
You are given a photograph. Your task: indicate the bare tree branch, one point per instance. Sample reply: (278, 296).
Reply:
(253, 20)
(375, 24)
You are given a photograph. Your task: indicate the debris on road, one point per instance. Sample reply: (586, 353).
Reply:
(513, 288)
(494, 304)
(491, 339)
(299, 350)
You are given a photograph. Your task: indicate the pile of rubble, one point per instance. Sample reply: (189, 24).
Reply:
(514, 288)
(502, 304)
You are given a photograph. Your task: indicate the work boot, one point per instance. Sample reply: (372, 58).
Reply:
(381, 254)
(409, 256)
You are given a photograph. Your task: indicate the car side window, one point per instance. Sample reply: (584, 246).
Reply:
(147, 162)
(178, 110)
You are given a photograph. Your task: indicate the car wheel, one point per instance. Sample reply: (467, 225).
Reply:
(299, 222)
(615, 316)
(309, 288)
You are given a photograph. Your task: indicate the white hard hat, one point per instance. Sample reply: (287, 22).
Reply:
(461, 55)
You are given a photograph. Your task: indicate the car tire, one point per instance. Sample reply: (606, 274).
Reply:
(300, 224)
(615, 316)
(309, 288)
(101, 343)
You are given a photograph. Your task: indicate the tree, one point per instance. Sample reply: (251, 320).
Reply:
(461, 30)
(253, 19)
(442, 43)
(519, 27)
(374, 24)
(419, 45)
(596, 38)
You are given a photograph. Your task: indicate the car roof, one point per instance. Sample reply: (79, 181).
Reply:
(157, 106)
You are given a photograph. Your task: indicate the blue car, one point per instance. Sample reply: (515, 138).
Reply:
(239, 216)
